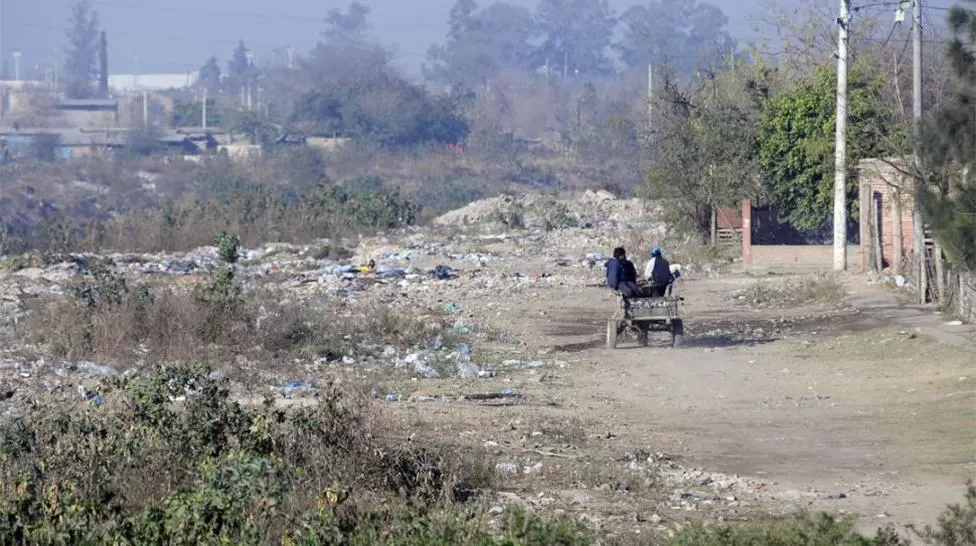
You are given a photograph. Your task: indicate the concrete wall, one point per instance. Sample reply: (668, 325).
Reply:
(799, 259)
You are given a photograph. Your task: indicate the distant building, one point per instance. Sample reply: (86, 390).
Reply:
(88, 113)
(131, 83)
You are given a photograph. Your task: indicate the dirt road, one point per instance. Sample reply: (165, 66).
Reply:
(867, 409)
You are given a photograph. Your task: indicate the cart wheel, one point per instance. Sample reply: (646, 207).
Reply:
(677, 333)
(642, 338)
(612, 334)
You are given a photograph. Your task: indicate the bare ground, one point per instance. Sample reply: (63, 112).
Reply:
(868, 407)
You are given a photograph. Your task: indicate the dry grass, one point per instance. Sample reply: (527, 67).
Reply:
(815, 289)
(172, 324)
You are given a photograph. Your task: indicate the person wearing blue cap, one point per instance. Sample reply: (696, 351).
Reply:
(658, 271)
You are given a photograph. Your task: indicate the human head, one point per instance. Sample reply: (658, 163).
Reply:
(656, 251)
(619, 252)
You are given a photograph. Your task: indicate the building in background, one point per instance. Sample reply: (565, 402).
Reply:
(123, 84)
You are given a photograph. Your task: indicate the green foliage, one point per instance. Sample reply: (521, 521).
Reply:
(575, 35)
(106, 288)
(349, 90)
(190, 113)
(228, 247)
(819, 530)
(796, 135)
(481, 43)
(688, 35)
(221, 298)
(956, 525)
(948, 146)
(172, 458)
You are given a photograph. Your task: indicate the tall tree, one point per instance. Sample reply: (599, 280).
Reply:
(102, 65)
(796, 135)
(576, 36)
(238, 70)
(948, 145)
(210, 76)
(685, 34)
(81, 66)
(480, 44)
(350, 26)
(705, 144)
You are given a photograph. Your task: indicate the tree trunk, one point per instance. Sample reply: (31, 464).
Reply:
(899, 234)
(714, 226)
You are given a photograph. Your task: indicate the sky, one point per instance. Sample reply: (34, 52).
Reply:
(178, 36)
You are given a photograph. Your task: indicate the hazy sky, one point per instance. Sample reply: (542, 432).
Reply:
(179, 35)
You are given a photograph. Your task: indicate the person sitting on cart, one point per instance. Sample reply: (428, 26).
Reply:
(658, 272)
(622, 275)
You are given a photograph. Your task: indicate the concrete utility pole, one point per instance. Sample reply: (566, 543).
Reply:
(918, 223)
(203, 110)
(840, 141)
(17, 55)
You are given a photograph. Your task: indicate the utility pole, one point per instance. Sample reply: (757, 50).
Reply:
(918, 223)
(17, 54)
(203, 110)
(840, 141)
(565, 64)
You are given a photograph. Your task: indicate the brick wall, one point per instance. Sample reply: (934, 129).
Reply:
(880, 181)
(798, 258)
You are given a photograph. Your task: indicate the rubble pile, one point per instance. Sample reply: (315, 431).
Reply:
(558, 243)
(589, 209)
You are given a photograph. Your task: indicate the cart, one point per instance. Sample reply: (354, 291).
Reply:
(640, 316)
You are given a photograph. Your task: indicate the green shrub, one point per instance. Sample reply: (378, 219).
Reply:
(807, 530)
(956, 525)
(172, 458)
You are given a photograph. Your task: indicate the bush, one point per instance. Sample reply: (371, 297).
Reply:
(172, 458)
(956, 525)
(807, 530)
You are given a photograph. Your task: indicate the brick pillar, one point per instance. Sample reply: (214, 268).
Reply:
(747, 232)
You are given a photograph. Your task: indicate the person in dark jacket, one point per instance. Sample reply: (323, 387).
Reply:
(658, 272)
(622, 275)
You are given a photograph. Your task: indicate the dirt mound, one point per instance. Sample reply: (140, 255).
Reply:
(537, 210)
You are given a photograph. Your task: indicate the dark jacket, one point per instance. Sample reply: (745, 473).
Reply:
(661, 274)
(619, 271)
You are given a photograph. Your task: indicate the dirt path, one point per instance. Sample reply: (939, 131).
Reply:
(861, 410)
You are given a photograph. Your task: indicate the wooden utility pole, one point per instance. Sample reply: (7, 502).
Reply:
(840, 143)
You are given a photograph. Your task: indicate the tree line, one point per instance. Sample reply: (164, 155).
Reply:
(722, 124)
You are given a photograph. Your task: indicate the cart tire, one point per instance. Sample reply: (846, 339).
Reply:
(611, 334)
(643, 337)
(677, 333)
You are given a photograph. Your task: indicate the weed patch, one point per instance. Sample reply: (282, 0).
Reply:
(171, 458)
(820, 289)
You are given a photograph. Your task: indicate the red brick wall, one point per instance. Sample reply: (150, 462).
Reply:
(880, 181)
(799, 258)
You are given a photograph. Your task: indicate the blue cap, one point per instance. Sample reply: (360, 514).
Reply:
(656, 251)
